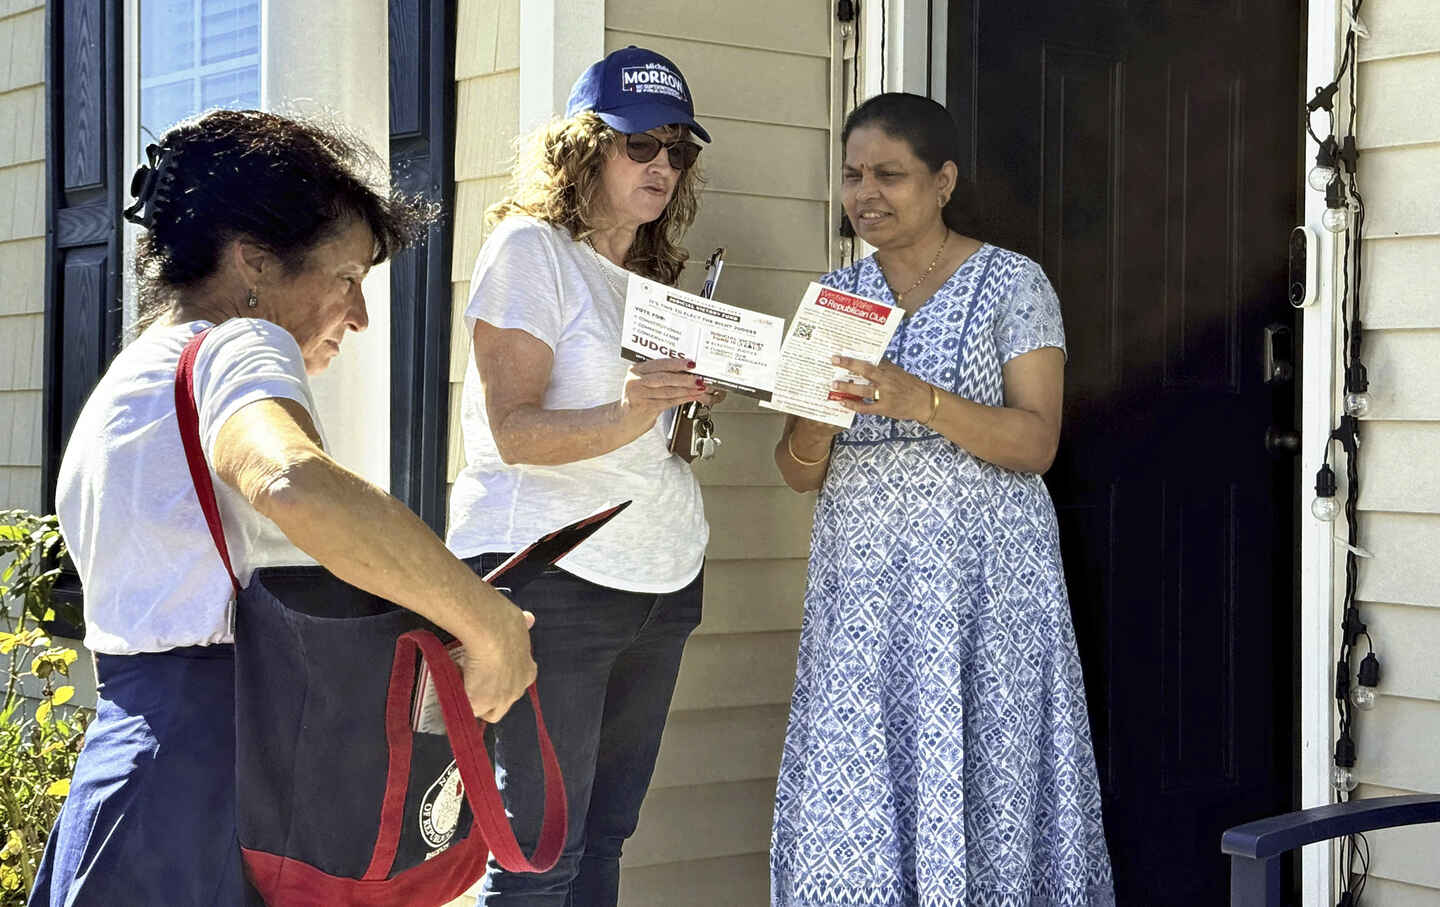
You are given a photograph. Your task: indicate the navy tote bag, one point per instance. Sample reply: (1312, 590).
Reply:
(340, 801)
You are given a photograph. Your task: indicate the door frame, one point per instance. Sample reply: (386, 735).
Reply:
(1318, 562)
(914, 50)
(422, 122)
(558, 40)
(294, 80)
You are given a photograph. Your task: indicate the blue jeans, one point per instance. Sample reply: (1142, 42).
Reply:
(150, 818)
(608, 661)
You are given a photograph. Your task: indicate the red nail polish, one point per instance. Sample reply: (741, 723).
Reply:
(699, 382)
(689, 363)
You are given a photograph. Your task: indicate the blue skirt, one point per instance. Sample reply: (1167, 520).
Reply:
(151, 814)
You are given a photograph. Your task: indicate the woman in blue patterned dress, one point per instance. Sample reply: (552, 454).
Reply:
(938, 752)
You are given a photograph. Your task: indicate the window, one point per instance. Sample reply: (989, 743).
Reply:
(196, 54)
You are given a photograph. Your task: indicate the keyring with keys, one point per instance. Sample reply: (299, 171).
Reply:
(703, 442)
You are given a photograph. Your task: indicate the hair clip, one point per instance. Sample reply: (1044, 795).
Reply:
(150, 186)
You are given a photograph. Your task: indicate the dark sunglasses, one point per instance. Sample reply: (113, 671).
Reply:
(642, 148)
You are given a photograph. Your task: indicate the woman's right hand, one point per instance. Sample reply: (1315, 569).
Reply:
(657, 385)
(498, 668)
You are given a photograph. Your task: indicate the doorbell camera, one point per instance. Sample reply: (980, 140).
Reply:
(1304, 267)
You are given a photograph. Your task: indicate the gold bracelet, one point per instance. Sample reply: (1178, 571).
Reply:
(790, 446)
(934, 405)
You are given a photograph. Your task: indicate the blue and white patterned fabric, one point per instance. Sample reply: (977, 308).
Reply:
(938, 752)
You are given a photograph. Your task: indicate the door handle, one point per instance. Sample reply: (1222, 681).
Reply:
(1279, 354)
(1282, 442)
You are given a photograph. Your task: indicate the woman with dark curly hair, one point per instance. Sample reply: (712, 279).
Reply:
(556, 428)
(260, 230)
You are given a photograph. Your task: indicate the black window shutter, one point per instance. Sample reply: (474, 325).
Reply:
(422, 151)
(84, 126)
(84, 245)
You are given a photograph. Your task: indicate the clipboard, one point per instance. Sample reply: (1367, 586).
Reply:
(681, 438)
(519, 570)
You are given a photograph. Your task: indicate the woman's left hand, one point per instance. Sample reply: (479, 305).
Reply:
(892, 391)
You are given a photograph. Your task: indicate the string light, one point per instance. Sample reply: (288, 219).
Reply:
(1326, 168)
(1336, 218)
(1325, 507)
(1342, 776)
(1357, 383)
(1363, 694)
(1334, 173)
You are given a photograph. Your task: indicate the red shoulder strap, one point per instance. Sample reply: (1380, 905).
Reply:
(188, 416)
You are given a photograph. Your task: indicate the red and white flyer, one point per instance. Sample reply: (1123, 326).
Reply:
(829, 322)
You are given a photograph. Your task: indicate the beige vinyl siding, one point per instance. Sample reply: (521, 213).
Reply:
(764, 95)
(1399, 589)
(487, 113)
(22, 249)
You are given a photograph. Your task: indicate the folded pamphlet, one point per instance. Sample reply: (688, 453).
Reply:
(733, 348)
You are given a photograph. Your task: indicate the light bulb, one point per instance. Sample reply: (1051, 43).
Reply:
(1321, 175)
(1357, 404)
(1325, 509)
(1336, 220)
(1364, 693)
(1343, 779)
(1363, 697)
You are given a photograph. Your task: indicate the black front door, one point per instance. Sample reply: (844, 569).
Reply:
(1146, 154)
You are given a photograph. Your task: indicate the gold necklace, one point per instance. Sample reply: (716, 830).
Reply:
(900, 297)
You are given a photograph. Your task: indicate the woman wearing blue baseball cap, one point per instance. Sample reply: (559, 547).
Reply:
(557, 426)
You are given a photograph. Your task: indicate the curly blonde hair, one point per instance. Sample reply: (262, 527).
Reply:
(556, 178)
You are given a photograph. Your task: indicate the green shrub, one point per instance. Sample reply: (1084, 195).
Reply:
(40, 734)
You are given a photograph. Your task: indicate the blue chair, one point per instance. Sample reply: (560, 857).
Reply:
(1255, 848)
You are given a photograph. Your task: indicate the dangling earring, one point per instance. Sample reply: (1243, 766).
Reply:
(250, 299)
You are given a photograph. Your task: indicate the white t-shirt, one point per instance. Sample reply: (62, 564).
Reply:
(128, 511)
(534, 277)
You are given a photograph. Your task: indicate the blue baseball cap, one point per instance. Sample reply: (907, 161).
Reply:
(634, 90)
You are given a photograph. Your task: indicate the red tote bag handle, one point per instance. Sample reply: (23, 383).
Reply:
(465, 732)
(467, 741)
